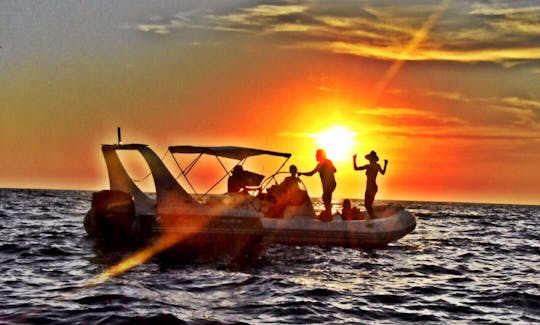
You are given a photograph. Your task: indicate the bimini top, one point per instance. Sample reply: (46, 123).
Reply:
(128, 146)
(238, 153)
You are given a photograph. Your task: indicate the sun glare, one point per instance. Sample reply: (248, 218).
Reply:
(337, 141)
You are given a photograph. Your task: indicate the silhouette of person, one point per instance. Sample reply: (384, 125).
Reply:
(291, 182)
(372, 169)
(236, 181)
(348, 212)
(326, 171)
(286, 193)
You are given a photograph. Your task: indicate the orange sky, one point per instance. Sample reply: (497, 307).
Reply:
(447, 91)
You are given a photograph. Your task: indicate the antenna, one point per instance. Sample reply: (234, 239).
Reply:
(119, 135)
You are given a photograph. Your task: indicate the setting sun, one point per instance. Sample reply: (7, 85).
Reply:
(337, 141)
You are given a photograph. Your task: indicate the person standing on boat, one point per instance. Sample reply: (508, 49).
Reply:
(372, 169)
(326, 171)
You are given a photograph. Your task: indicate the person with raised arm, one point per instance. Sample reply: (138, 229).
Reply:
(372, 169)
(326, 171)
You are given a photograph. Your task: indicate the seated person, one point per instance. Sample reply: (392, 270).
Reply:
(236, 181)
(348, 212)
(291, 183)
(241, 178)
(286, 193)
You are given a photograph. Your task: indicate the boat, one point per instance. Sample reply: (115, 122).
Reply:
(124, 215)
(262, 213)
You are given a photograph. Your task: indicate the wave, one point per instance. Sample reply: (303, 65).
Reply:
(464, 263)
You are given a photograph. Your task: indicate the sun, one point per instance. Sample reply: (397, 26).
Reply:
(338, 142)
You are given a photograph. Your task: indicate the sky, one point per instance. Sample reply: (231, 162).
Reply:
(448, 91)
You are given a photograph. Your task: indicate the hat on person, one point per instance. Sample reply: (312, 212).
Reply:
(372, 156)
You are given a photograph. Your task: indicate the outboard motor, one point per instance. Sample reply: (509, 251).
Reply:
(111, 216)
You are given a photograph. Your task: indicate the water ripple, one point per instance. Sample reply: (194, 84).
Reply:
(464, 263)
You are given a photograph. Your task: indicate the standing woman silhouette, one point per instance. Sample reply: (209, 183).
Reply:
(326, 170)
(372, 169)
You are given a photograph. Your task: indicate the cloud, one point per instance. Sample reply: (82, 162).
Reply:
(410, 118)
(275, 10)
(394, 111)
(457, 115)
(476, 32)
(502, 9)
(156, 24)
(511, 20)
(523, 103)
(455, 96)
(514, 102)
(508, 57)
(460, 31)
(155, 28)
(274, 18)
(464, 134)
(516, 113)
(526, 112)
(462, 118)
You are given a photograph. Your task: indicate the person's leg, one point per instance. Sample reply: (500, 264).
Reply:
(327, 197)
(327, 200)
(369, 198)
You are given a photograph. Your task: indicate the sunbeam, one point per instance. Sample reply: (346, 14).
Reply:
(419, 36)
(168, 239)
(161, 244)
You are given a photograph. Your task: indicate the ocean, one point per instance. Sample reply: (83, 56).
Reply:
(463, 264)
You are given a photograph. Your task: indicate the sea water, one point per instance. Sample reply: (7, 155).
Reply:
(464, 263)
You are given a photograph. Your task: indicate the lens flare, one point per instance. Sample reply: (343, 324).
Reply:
(419, 36)
(161, 244)
(168, 239)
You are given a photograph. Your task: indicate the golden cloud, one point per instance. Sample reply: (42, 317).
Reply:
(475, 33)
(504, 33)
(395, 53)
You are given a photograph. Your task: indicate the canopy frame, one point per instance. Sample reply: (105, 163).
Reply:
(232, 152)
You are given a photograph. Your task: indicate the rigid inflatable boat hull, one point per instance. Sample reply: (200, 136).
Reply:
(355, 233)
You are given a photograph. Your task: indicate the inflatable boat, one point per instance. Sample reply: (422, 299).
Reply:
(262, 213)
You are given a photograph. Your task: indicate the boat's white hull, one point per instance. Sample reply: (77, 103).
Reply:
(393, 223)
(355, 233)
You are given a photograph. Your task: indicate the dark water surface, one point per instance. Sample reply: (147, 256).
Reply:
(464, 263)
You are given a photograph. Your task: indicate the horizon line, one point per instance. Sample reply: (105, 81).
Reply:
(340, 198)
